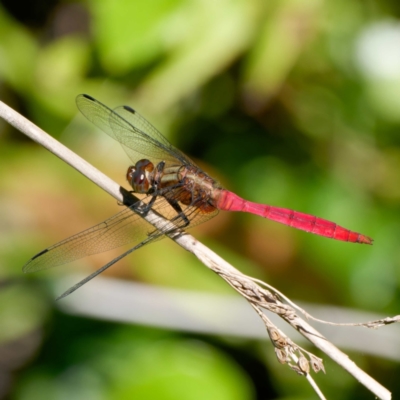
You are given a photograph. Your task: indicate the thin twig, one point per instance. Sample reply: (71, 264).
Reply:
(256, 295)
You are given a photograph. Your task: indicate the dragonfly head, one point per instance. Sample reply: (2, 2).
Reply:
(140, 176)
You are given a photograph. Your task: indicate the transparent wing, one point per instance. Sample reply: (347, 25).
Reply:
(123, 228)
(137, 121)
(193, 212)
(136, 135)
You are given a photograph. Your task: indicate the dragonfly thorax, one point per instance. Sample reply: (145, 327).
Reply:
(140, 176)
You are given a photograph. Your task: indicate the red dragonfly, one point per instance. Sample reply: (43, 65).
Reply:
(172, 185)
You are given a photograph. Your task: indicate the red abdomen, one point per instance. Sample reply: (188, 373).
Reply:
(230, 202)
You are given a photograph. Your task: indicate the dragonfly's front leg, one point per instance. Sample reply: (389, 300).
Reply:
(143, 209)
(153, 190)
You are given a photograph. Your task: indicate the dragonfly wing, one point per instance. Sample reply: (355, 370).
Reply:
(104, 267)
(136, 135)
(192, 213)
(95, 112)
(150, 133)
(123, 228)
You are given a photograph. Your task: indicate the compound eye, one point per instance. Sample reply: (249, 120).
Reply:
(144, 165)
(130, 173)
(140, 183)
(140, 179)
(139, 175)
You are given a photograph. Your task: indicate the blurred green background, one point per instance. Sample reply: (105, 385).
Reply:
(294, 103)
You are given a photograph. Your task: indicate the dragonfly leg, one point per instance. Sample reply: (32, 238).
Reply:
(175, 205)
(145, 208)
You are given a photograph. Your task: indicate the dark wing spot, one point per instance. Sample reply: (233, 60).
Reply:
(39, 254)
(130, 109)
(88, 97)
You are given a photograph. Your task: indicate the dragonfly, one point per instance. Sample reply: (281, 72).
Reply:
(170, 184)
